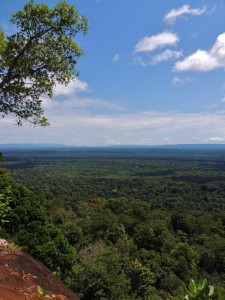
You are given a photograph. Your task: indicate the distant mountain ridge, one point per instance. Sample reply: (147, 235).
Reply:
(31, 146)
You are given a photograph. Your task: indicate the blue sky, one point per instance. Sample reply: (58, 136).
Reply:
(153, 73)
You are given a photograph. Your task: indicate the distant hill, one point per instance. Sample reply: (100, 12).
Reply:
(193, 146)
(59, 147)
(31, 146)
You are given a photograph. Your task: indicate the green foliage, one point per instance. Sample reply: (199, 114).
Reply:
(49, 245)
(1, 157)
(26, 221)
(99, 266)
(183, 257)
(42, 292)
(40, 54)
(5, 209)
(143, 278)
(126, 225)
(201, 290)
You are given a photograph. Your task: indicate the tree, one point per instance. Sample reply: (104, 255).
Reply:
(40, 54)
(100, 274)
(5, 208)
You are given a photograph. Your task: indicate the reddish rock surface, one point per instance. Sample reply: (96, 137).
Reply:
(21, 275)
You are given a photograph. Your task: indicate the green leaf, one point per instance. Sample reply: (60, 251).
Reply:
(202, 284)
(40, 290)
(192, 287)
(211, 290)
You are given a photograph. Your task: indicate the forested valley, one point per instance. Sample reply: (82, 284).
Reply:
(119, 223)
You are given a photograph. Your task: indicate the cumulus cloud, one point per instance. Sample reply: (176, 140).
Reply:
(63, 93)
(161, 40)
(166, 55)
(67, 100)
(203, 60)
(183, 11)
(72, 88)
(198, 61)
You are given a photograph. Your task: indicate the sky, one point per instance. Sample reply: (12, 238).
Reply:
(152, 74)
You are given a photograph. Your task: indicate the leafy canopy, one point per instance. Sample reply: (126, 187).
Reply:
(5, 208)
(40, 54)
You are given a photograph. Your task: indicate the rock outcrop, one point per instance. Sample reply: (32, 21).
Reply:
(22, 277)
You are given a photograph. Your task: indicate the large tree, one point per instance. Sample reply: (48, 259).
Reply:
(40, 54)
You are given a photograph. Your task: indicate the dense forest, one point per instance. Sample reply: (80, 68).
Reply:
(119, 223)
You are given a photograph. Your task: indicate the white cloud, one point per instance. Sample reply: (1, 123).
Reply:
(217, 139)
(166, 55)
(70, 106)
(203, 60)
(198, 61)
(161, 40)
(64, 93)
(212, 106)
(178, 81)
(99, 128)
(72, 88)
(116, 57)
(184, 10)
(222, 100)
(140, 61)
